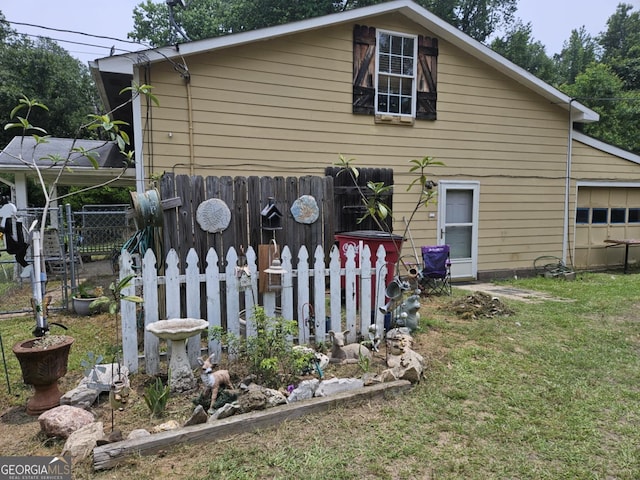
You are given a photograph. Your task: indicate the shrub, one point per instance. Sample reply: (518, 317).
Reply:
(269, 355)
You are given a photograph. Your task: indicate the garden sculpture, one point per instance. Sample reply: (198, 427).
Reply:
(211, 379)
(351, 353)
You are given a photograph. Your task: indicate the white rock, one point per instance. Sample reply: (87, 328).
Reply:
(304, 391)
(336, 385)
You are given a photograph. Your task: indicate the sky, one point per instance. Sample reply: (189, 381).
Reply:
(552, 21)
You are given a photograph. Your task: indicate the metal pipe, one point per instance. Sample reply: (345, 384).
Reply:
(72, 253)
(567, 188)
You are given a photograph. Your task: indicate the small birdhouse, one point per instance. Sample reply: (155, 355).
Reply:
(271, 216)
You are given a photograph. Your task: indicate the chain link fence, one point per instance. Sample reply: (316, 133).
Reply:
(72, 240)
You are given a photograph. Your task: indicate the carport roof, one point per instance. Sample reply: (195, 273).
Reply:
(110, 160)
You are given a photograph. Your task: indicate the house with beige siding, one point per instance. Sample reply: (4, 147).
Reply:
(387, 84)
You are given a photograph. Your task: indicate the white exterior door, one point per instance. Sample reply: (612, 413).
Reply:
(458, 206)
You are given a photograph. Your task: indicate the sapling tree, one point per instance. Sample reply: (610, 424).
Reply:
(106, 127)
(372, 197)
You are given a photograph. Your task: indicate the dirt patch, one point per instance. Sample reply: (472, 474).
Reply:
(480, 305)
(523, 295)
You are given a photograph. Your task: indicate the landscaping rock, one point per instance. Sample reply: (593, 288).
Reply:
(227, 410)
(304, 391)
(336, 385)
(62, 421)
(82, 396)
(371, 379)
(138, 433)
(163, 427)
(274, 397)
(198, 416)
(253, 399)
(81, 443)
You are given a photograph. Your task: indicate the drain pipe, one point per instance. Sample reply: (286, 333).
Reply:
(567, 188)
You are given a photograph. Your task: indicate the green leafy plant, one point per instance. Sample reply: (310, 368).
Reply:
(112, 303)
(375, 208)
(269, 355)
(86, 290)
(372, 196)
(156, 397)
(364, 362)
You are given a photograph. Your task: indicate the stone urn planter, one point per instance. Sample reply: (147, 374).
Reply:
(81, 305)
(43, 361)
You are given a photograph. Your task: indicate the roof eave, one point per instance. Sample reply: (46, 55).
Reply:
(127, 62)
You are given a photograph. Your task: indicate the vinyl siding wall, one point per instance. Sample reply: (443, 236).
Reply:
(283, 107)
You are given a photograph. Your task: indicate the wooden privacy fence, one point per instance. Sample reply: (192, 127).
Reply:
(344, 295)
(246, 197)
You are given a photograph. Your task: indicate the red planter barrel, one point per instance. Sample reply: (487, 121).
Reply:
(373, 238)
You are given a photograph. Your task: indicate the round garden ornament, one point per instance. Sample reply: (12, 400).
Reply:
(305, 209)
(213, 215)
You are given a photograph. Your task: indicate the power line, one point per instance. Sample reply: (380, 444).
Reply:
(77, 33)
(77, 43)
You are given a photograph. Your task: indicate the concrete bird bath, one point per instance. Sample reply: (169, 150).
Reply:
(178, 330)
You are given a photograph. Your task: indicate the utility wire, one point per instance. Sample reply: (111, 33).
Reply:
(78, 33)
(77, 43)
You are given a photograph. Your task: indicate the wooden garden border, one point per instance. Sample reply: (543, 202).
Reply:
(111, 455)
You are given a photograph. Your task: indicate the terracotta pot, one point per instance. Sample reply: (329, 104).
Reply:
(42, 367)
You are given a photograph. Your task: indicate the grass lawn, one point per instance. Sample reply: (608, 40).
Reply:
(550, 392)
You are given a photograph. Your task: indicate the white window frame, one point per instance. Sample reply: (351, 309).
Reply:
(379, 33)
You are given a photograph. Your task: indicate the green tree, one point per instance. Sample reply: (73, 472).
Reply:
(621, 45)
(519, 46)
(212, 18)
(42, 69)
(602, 90)
(576, 55)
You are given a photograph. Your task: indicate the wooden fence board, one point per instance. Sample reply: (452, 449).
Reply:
(302, 296)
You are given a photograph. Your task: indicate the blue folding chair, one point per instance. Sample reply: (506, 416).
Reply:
(435, 277)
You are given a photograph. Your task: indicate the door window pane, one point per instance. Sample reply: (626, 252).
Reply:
(459, 240)
(459, 206)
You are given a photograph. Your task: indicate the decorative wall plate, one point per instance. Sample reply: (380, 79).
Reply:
(213, 215)
(305, 209)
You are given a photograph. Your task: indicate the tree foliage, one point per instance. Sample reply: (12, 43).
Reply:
(212, 18)
(42, 69)
(519, 46)
(576, 55)
(603, 91)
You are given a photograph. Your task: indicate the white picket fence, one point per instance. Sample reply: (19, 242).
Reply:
(308, 275)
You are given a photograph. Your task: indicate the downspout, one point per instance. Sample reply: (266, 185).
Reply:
(137, 136)
(567, 188)
(187, 79)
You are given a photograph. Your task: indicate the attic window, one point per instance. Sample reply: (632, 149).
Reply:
(394, 74)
